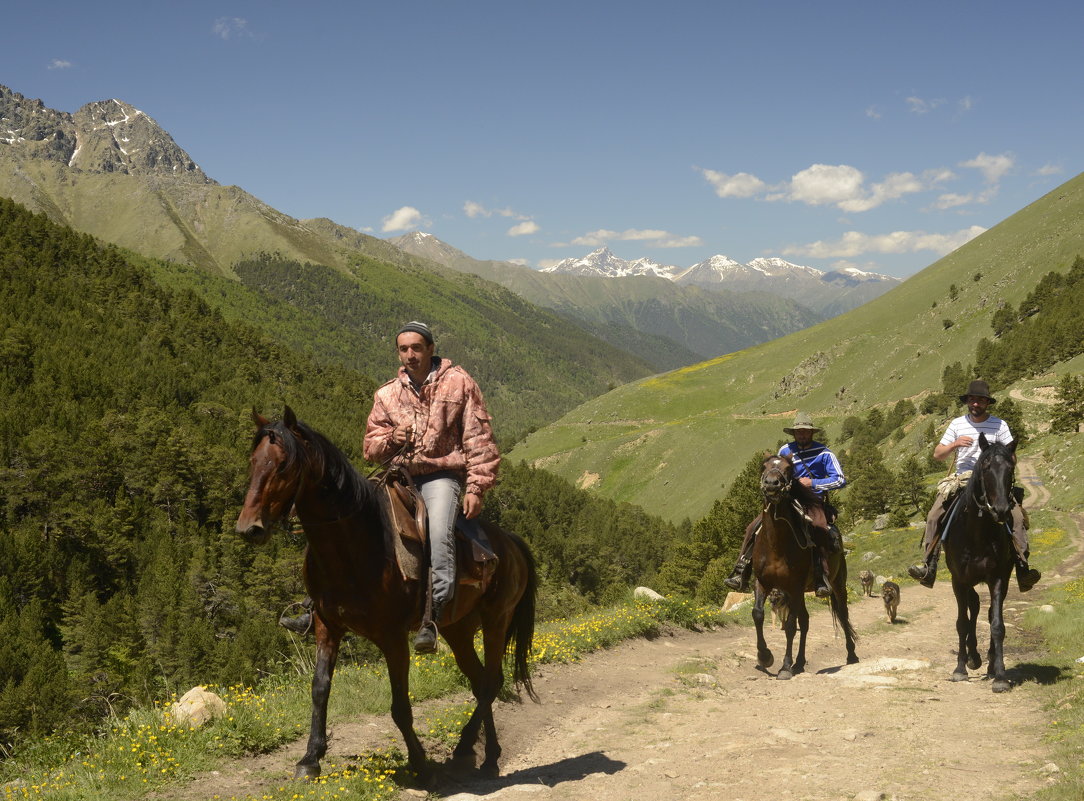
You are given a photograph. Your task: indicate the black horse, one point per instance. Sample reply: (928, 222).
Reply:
(978, 548)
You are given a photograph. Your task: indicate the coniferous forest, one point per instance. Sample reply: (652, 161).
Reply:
(124, 438)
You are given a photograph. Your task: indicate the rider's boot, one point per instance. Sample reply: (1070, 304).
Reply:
(821, 587)
(926, 572)
(1026, 577)
(425, 641)
(299, 624)
(738, 580)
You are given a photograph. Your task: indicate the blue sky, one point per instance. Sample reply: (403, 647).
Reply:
(873, 135)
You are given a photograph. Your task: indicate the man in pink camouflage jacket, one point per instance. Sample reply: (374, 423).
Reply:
(431, 419)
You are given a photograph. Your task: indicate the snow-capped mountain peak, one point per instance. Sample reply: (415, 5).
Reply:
(604, 263)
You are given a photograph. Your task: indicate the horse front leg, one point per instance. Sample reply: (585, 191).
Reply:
(967, 610)
(765, 659)
(397, 657)
(327, 653)
(995, 667)
(797, 618)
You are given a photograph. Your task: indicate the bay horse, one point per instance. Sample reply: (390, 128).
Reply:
(355, 584)
(782, 562)
(978, 548)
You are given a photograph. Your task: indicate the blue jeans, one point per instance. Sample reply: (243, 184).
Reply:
(441, 493)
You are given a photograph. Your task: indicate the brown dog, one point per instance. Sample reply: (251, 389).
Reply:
(778, 600)
(867, 582)
(890, 592)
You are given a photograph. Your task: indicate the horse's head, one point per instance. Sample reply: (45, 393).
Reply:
(992, 479)
(776, 478)
(275, 476)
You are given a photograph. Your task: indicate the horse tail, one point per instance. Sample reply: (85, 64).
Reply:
(521, 627)
(844, 621)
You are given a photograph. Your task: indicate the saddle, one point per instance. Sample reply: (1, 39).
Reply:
(406, 532)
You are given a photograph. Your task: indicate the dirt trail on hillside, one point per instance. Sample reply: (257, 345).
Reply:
(689, 715)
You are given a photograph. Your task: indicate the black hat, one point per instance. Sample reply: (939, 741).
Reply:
(417, 328)
(979, 389)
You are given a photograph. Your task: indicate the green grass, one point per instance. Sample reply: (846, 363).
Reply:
(1060, 631)
(147, 750)
(708, 418)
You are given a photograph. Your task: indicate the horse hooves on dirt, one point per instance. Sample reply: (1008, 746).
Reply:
(765, 659)
(1001, 686)
(974, 662)
(784, 675)
(959, 676)
(852, 659)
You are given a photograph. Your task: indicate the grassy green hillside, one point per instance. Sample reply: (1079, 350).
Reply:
(327, 289)
(666, 324)
(670, 442)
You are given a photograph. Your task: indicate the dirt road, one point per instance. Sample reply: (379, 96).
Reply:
(690, 716)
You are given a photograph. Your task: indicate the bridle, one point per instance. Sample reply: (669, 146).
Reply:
(778, 467)
(981, 497)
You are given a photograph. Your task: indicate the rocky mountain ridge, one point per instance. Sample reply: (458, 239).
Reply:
(106, 136)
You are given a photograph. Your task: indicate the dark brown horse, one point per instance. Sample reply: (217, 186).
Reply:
(978, 534)
(781, 561)
(356, 585)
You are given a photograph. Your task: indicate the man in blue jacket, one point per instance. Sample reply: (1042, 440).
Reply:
(816, 467)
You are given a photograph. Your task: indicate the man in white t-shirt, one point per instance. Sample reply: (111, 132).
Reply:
(962, 437)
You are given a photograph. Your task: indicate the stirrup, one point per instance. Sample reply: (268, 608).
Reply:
(924, 574)
(1027, 577)
(738, 580)
(425, 641)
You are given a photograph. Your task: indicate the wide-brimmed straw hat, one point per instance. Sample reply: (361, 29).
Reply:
(801, 421)
(980, 389)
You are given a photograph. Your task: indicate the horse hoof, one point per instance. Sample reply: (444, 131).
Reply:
(765, 660)
(974, 662)
(303, 771)
(1001, 686)
(784, 675)
(959, 676)
(852, 659)
(489, 770)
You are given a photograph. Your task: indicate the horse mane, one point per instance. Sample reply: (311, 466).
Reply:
(324, 458)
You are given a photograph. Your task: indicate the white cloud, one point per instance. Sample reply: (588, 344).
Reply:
(229, 27)
(993, 168)
(839, 185)
(520, 262)
(965, 104)
(403, 218)
(59, 64)
(823, 184)
(544, 263)
(873, 113)
(523, 228)
(854, 243)
(918, 105)
(1050, 169)
(952, 200)
(740, 185)
(472, 210)
(657, 238)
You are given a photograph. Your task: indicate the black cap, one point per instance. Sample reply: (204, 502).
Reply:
(418, 328)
